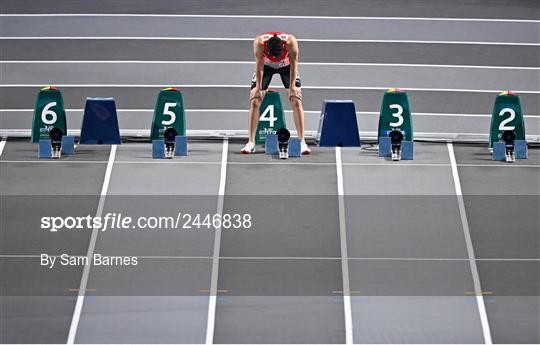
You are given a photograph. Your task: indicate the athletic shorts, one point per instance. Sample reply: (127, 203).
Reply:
(268, 73)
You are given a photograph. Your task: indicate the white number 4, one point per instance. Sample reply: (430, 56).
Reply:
(398, 115)
(270, 118)
(170, 113)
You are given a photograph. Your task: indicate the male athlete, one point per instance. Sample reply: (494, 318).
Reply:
(275, 52)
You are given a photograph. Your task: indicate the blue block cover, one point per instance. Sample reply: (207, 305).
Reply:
(295, 147)
(271, 146)
(180, 145)
(158, 148)
(337, 125)
(499, 151)
(385, 147)
(520, 149)
(100, 122)
(407, 150)
(45, 148)
(68, 145)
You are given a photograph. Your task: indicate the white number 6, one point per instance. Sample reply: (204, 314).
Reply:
(502, 125)
(397, 115)
(48, 112)
(168, 112)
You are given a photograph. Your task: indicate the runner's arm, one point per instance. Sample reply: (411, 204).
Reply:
(258, 48)
(292, 49)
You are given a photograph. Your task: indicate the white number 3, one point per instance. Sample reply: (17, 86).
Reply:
(398, 114)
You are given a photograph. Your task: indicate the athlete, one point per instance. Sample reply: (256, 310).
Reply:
(275, 53)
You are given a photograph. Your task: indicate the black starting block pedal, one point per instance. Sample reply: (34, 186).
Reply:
(508, 148)
(169, 137)
(56, 142)
(56, 145)
(396, 137)
(283, 142)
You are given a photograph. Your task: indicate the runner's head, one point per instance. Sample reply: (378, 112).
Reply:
(275, 46)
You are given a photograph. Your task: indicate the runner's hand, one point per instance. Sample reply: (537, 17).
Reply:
(255, 93)
(295, 92)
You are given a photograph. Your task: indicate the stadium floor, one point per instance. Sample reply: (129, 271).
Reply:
(442, 249)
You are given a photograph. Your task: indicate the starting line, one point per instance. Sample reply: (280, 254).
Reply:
(242, 133)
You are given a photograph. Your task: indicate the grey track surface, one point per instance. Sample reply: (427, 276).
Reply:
(360, 29)
(409, 53)
(239, 75)
(281, 282)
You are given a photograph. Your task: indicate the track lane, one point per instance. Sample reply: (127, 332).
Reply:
(524, 9)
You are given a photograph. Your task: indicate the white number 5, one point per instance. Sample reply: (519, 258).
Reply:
(398, 114)
(168, 112)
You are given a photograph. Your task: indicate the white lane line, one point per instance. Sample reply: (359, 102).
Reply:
(248, 16)
(30, 256)
(280, 258)
(470, 250)
(244, 111)
(211, 321)
(317, 40)
(374, 164)
(444, 259)
(246, 86)
(2, 145)
(91, 247)
(52, 161)
(347, 308)
(176, 62)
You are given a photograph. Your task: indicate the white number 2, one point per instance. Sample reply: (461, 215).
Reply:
(170, 113)
(502, 125)
(270, 118)
(46, 112)
(398, 114)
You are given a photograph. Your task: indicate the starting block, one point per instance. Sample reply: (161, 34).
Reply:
(271, 144)
(282, 144)
(338, 125)
(100, 122)
(507, 130)
(509, 149)
(56, 145)
(271, 116)
(171, 145)
(295, 147)
(394, 146)
(395, 131)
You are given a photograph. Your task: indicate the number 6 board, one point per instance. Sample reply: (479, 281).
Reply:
(49, 113)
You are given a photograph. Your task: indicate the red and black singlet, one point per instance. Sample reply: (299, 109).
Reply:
(283, 59)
